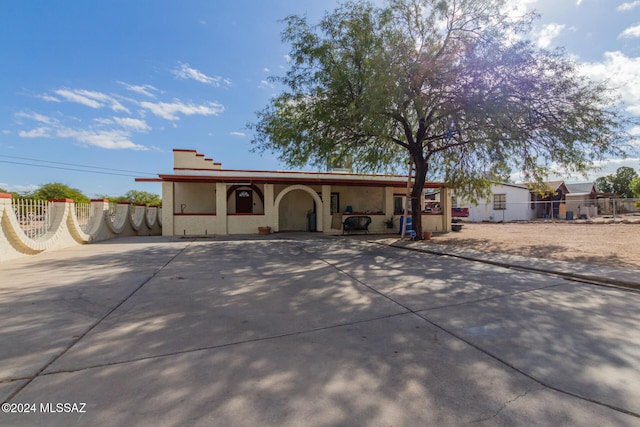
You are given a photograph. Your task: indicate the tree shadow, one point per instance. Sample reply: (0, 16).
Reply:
(278, 332)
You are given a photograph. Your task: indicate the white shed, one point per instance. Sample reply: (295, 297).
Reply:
(508, 202)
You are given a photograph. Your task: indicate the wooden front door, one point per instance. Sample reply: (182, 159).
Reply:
(244, 201)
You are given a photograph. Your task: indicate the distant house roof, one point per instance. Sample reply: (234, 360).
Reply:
(581, 188)
(554, 185)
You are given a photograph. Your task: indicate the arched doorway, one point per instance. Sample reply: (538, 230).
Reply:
(292, 205)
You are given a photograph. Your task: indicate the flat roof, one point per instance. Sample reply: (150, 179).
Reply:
(275, 177)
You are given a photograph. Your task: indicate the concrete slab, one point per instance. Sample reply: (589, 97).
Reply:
(8, 388)
(395, 371)
(579, 338)
(218, 293)
(419, 280)
(304, 330)
(48, 301)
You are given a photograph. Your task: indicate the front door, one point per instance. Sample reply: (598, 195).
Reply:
(244, 201)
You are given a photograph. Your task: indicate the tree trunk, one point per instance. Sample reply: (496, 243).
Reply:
(417, 197)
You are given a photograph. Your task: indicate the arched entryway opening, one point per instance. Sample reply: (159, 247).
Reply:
(292, 207)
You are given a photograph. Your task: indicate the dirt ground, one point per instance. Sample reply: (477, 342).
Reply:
(615, 245)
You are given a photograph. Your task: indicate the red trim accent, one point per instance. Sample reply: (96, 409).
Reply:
(5, 196)
(245, 214)
(192, 169)
(182, 150)
(99, 200)
(148, 180)
(61, 200)
(194, 214)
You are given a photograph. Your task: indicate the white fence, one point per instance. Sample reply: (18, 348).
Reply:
(30, 227)
(34, 216)
(83, 215)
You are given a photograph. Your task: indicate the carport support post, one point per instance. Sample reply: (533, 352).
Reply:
(221, 208)
(269, 209)
(326, 207)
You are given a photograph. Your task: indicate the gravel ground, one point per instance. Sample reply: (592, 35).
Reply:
(616, 245)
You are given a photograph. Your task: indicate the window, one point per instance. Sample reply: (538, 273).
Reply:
(499, 202)
(335, 203)
(398, 204)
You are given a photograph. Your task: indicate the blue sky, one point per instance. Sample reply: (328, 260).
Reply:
(115, 85)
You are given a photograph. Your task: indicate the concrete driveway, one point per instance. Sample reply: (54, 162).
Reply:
(303, 329)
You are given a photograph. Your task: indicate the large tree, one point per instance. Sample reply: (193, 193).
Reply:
(619, 183)
(136, 197)
(56, 190)
(450, 84)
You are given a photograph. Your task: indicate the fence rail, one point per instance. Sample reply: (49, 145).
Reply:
(83, 215)
(34, 216)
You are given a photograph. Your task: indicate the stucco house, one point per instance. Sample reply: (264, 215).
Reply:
(202, 198)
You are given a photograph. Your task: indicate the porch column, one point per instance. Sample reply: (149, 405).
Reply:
(167, 209)
(221, 208)
(269, 209)
(326, 208)
(388, 202)
(445, 205)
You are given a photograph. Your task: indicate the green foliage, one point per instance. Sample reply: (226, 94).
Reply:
(442, 82)
(136, 197)
(635, 186)
(620, 183)
(56, 190)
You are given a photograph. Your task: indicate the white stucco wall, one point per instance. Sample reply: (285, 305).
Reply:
(361, 199)
(196, 197)
(518, 205)
(195, 225)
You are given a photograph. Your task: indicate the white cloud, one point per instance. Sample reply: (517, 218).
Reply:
(287, 58)
(91, 99)
(548, 33)
(19, 188)
(264, 84)
(109, 139)
(628, 6)
(49, 98)
(630, 32)
(37, 117)
(41, 132)
(622, 73)
(185, 72)
(136, 125)
(170, 111)
(146, 90)
(578, 2)
(235, 133)
(266, 70)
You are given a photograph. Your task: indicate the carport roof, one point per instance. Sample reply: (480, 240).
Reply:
(284, 177)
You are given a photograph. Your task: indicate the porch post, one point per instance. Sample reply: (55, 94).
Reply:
(221, 208)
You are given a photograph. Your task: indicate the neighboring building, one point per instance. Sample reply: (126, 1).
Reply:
(581, 199)
(508, 202)
(201, 198)
(547, 204)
